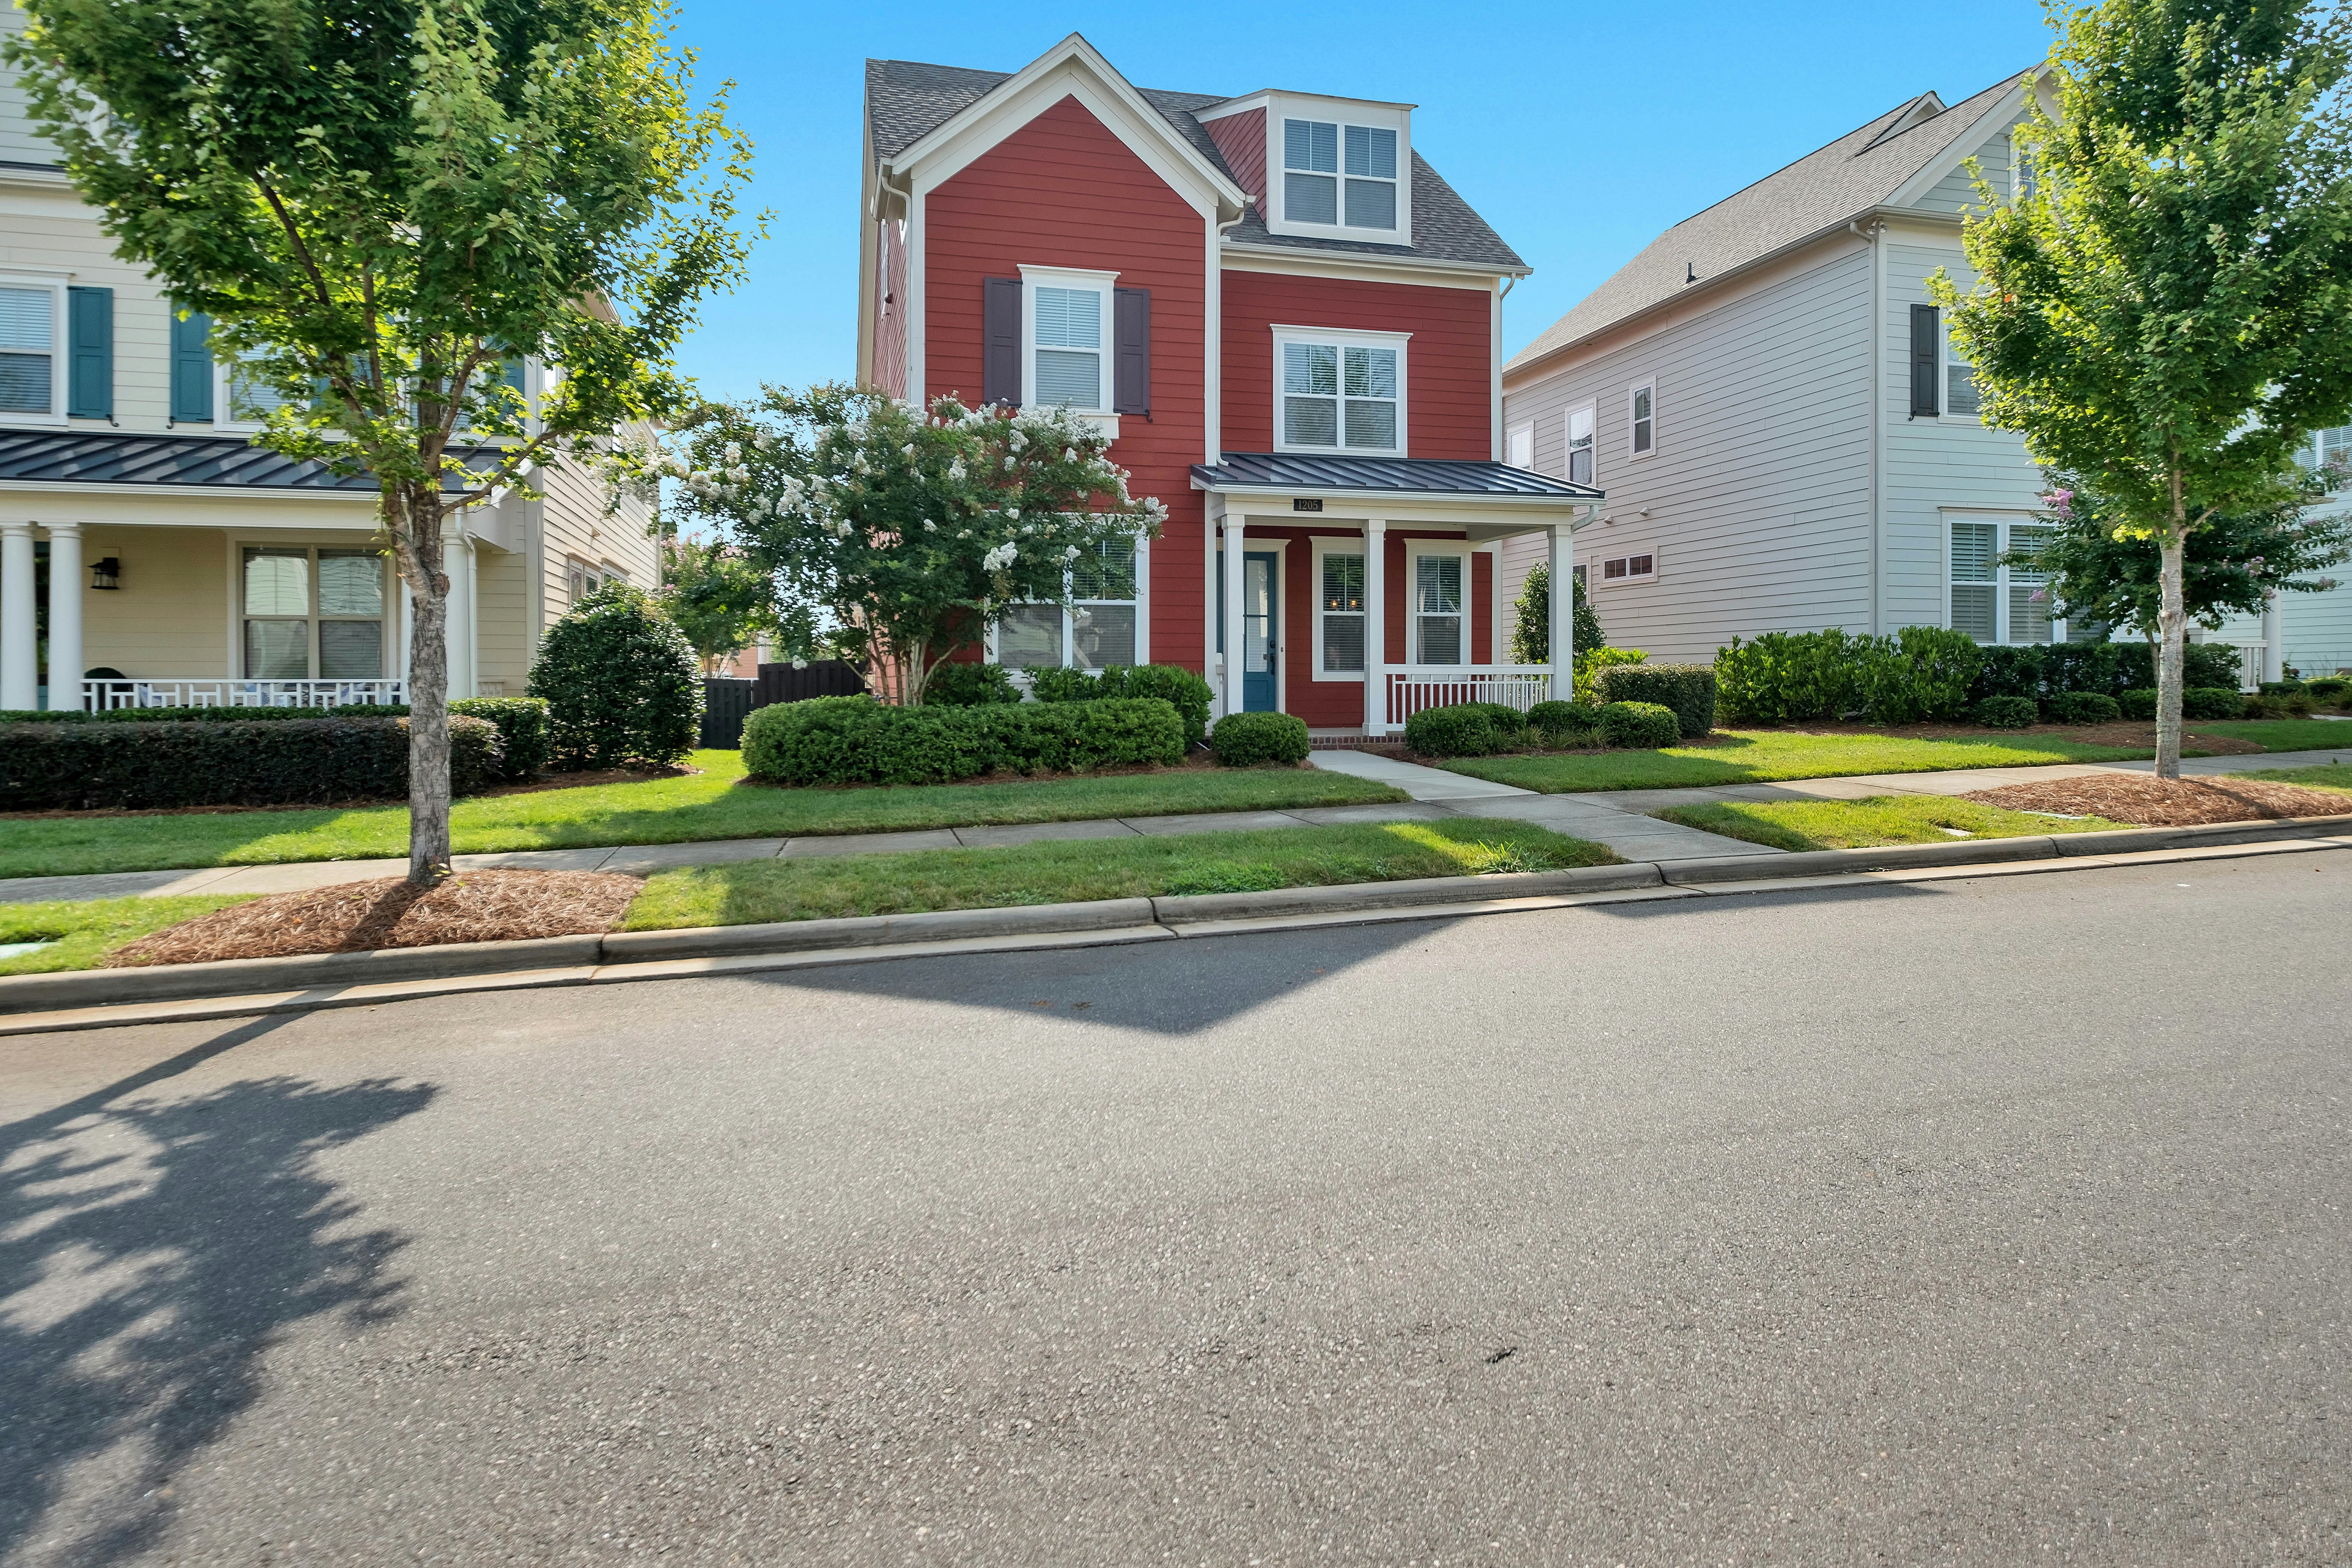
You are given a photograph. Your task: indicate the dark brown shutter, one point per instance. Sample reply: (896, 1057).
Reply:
(1000, 328)
(1131, 363)
(1925, 329)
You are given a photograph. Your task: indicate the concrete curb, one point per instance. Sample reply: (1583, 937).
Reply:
(95, 999)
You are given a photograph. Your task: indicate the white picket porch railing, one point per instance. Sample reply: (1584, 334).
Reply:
(152, 691)
(1408, 689)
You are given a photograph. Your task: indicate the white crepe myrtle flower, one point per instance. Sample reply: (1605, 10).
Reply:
(955, 470)
(734, 452)
(930, 527)
(1015, 442)
(1069, 554)
(800, 664)
(998, 559)
(1013, 511)
(1010, 464)
(1069, 456)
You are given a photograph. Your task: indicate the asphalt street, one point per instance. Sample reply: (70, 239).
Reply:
(1992, 1221)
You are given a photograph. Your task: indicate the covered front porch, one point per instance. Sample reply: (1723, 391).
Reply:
(1358, 592)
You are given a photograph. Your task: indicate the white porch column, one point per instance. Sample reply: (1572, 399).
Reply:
(2273, 656)
(1376, 623)
(1234, 702)
(1559, 565)
(20, 648)
(65, 587)
(457, 562)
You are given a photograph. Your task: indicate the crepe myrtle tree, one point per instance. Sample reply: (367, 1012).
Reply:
(383, 203)
(903, 533)
(2163, 305)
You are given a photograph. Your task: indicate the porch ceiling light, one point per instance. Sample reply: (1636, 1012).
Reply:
(106, 572)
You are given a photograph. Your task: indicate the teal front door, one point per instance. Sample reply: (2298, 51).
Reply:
(1258, 641)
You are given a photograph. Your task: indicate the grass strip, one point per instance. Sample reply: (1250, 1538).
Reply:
(719, 802)
(1072, 870)
(84, 933)
(1763, 756)
(1867, 824)
(2325, 775)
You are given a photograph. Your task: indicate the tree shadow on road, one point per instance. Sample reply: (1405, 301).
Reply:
(153, 1248)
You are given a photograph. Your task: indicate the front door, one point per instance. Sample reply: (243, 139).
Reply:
(1258, 632)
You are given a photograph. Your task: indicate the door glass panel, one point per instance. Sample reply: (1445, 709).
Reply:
(277, 581)
(277, 650)
(1257, 604)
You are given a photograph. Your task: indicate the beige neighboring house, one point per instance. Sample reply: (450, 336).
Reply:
(1788, 439)
(141, 534)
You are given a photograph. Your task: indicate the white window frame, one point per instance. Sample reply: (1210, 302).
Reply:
(1338, 545)
(1342, 113)
(2003, 581)
(1628, 576)
(1344, 340)
(224, 410)
(389, 639)
(1568, 448)
(1103, 283)
(1142, 603)
(1525, 430)
(1649, 385)
(1413, 551)
(2320, 449)
(60, 348)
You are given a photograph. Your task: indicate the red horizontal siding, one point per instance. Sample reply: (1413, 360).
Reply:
(1449, 364)
(1241, 139)
(1063, 191)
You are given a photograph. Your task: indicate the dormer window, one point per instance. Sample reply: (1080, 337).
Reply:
(1332, 171)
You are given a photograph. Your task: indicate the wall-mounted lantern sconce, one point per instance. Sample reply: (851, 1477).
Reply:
(106, 572)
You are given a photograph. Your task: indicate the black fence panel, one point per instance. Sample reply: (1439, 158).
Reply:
(823, 678)
(726, 701)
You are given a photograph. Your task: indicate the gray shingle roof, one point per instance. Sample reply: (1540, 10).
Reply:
(122, 458)
(1829, 186)
(1412, 476)
(906, 101)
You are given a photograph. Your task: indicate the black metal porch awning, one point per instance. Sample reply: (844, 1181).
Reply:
(1293, 471)
(128, 458)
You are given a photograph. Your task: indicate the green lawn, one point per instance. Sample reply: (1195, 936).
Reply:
(86, 933)
(2336, 776)
(1762, 756)
(1867, 824)
(1069, 871)
(719, 802)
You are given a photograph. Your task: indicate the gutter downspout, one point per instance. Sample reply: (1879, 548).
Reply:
(1872, 237)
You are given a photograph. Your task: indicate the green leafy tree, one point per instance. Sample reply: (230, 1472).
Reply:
(719, 599)
(904, 533)
(381, 202)
(2234, 561)
(1531, 620)
(2166, 309)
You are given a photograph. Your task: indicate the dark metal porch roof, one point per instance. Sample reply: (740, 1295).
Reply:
(125, 457)
(1402, 476)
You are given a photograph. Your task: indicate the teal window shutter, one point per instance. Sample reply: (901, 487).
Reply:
(192, 368)
(510, 372)
(90, 373)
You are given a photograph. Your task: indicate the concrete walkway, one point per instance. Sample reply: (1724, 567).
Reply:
(1616, 817)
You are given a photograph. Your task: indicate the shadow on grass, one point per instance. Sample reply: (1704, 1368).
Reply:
(152, 1251)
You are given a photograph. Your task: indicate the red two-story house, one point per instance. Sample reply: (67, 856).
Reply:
(1290, 327)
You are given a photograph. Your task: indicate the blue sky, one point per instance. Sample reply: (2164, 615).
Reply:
(1579, 131)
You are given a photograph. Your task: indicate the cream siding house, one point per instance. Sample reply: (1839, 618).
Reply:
(141, 535)
(1789, 442)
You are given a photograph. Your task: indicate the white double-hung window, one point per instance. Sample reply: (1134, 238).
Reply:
(1100, 628)
(1341, 174)
(313, 614)
(1579, 446)
(1991, 601)
(1339, 392)
(32, 369)
(1339, 609)
(1441, 633)
(1067, 358)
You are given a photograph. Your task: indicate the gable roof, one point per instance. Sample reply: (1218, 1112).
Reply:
(1823, 190)
(906, 100)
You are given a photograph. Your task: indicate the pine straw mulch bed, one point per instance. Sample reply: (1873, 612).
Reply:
(385, 911)
(2165, 803)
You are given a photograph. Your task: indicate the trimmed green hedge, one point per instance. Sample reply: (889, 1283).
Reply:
(856, 740)
(1248, 740)
(299, 762)
(1688, 690)
(1457, 730)
(969, 686)
(2006, 712)
(1641, 726)
(522, 730)
(2084, 708)
(2043, 671)
(521, 721)
(1930, 672)
(2139, 703)
(2212, 703)
(1561, 722)
(1171, 683)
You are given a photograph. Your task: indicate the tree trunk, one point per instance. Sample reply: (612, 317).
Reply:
(418, 548)
(2172, 623)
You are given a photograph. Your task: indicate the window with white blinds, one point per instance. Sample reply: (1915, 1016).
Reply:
(1069, 323)
(1339, 174)
(28, 347)
(1437, 630)
(2332, 445)
(1340, 394)
(1991, 602)
(1098, 630)
(312, 614)
(1339, 614)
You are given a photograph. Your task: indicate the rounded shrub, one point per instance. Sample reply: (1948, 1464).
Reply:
(2212, 702)
(2084, 708)
(969, 686)
(522, 728)
(620, 681)
(2005, 713)
(2138, 703)
(1563, 722)
(1457, 729)
(1246, 739)
(1641, 726)
(1687, 691)
(1171, 683)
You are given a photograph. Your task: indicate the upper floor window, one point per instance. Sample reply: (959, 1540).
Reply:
(1579, 446)
(28, 350)
(1642, 410)
(1066, 328)
(1519, 449)
(1341, 391)
(1341, 174)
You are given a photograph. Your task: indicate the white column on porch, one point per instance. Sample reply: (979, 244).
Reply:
(1376, 625)
(457, 561)
(2273, 656)
(1235, 701)
(1559, 567)
(66, 663)
(20, 648)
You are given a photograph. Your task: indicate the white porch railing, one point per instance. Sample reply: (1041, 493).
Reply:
(1408, 689)
(2249, 664)
(102, 696)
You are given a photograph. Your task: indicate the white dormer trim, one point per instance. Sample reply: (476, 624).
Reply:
(1071, 69)
(1286, 106)
(1964, 146)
